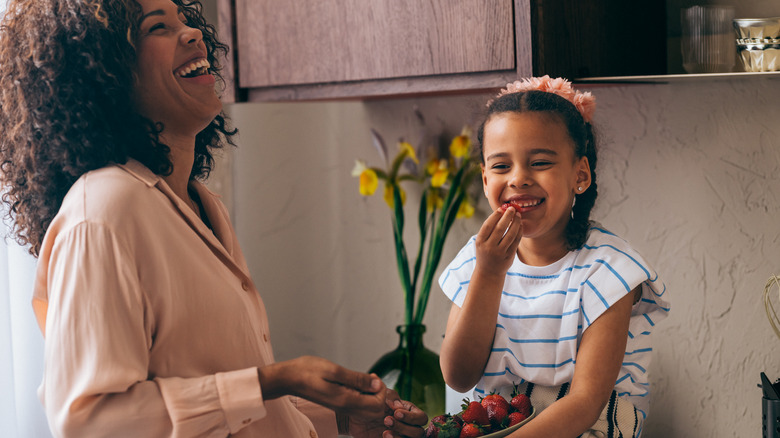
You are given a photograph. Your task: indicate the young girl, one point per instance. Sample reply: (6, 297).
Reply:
(545, 301)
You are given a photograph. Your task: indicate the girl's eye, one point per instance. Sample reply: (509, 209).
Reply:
(541, 163)
(499, 167)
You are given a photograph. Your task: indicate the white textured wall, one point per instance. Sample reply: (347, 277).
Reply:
(689, 173)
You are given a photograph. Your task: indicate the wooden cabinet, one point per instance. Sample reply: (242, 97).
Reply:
(318, 49)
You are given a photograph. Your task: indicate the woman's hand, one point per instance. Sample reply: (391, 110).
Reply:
(321, 381)
(401, 419)
(497, 242)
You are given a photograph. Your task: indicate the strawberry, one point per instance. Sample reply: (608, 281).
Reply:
(474, 412)
(440, 418)
(497, 409)
(471, 430)
(516, 417)
(521, 403)
(443, 426)
(506, 205)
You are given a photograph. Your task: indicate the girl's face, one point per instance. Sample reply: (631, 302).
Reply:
(530, 161)
(173, 87)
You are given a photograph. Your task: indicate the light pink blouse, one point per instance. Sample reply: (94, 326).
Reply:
(153, 326)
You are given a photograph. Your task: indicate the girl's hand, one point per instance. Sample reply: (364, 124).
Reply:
(497, 242)
(323, 382)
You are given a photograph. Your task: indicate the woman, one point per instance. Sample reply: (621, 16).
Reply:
(153, 326)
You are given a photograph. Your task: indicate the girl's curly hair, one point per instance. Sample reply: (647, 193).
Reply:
(581, 133)
(66, 103)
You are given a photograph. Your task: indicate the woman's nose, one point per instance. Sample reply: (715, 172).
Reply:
(191, 35)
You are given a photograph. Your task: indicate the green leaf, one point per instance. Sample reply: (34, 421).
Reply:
(422, 223)
(400, 252)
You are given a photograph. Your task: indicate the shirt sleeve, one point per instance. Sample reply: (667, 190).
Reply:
(454, 280)
(98, 333)
(615, 270)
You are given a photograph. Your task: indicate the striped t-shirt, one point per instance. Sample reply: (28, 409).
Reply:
(544, 311)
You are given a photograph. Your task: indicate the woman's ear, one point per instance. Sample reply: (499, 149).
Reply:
(582, 169)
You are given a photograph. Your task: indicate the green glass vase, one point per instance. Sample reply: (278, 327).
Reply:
(413, 371)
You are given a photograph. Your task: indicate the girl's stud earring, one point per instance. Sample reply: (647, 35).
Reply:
(579, 189)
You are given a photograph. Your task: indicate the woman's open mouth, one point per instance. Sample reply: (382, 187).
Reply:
(195, 68)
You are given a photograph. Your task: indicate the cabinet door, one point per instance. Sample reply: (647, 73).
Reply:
(292, 42)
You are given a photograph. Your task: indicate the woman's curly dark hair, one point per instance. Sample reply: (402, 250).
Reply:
(66, 103)
(581, 133)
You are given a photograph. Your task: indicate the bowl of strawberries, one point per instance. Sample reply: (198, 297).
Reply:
(491, 417)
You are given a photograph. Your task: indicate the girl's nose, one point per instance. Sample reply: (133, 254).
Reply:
(520, 178)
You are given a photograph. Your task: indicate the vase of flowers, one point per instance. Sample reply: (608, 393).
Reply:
(443, 182)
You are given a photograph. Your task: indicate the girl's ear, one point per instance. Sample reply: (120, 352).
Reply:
(484, 180)
(582, 169)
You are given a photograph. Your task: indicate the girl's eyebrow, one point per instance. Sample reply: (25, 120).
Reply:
(535, 151)
(496, 155)
(543, 151)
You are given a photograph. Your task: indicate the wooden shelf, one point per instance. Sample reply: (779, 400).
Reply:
(662, 79)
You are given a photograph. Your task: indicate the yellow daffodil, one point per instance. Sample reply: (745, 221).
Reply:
(389, 197)
(368, 178)
(465, 210)
(360, 166)
(460, 146)
(407, 148)
(431, 166)
(439, 176)
(368, 182)
(434, 201)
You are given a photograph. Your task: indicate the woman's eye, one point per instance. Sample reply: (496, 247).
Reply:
(157, 26)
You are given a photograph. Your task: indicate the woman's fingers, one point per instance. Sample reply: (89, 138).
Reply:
(338, 388)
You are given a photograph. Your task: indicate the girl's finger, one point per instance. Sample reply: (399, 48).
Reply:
(487, 228)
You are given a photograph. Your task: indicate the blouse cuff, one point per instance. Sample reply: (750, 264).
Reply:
(240, 398)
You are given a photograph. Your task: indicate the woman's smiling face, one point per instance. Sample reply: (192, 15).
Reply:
(530, 162)
(173, 85)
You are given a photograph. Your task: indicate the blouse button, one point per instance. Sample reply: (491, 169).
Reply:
(244, 285)
(247, 421)
(265, 337)
(312, 434)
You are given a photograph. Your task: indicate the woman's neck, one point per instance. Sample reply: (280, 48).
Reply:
(182, 158)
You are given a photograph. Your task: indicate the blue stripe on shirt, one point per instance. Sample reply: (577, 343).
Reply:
(598, 294)
(628, 288)
(641, 350)
(456, 268)
(552, 292)
(539, 316)
(539, 340)
(547, 277)
(634, 364)
(525, 365)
